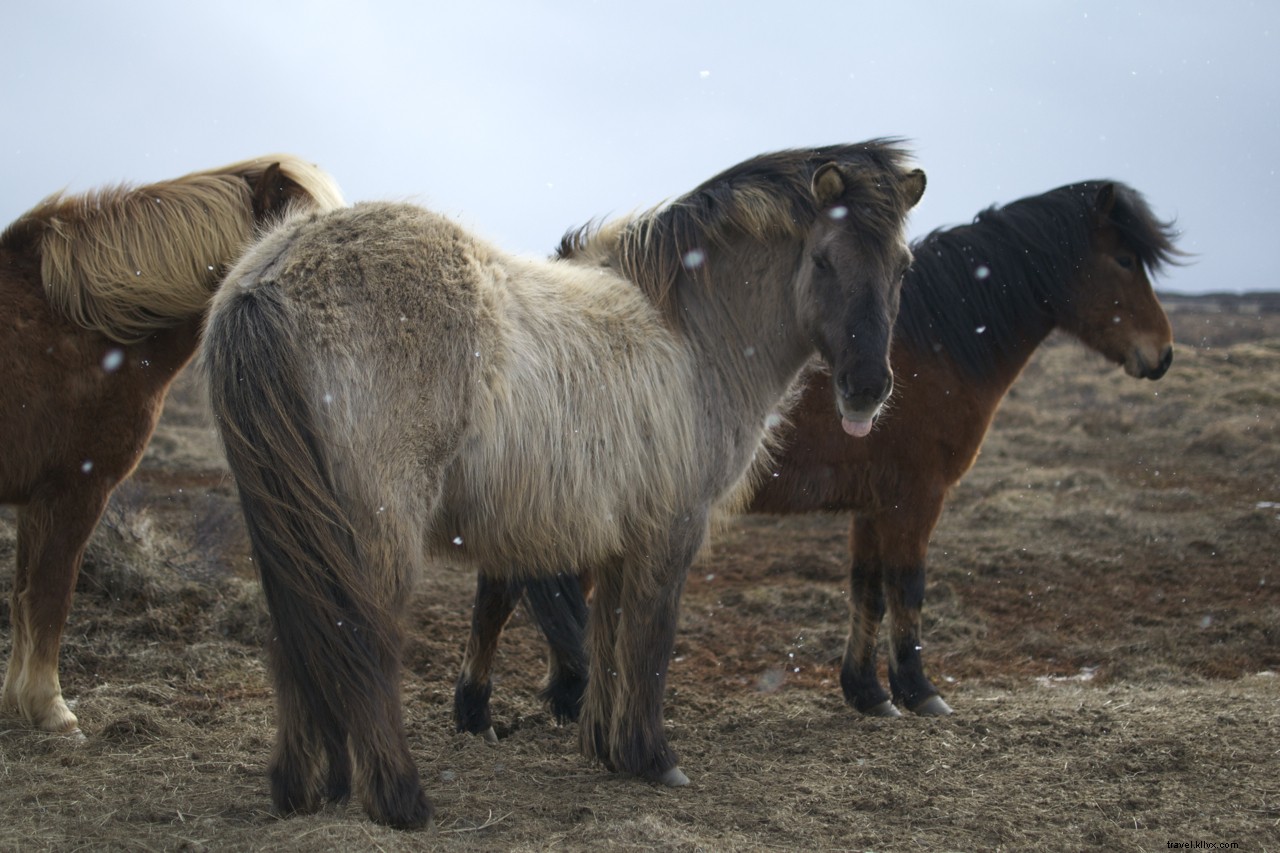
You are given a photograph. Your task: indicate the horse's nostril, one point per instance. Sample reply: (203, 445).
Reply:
(866, 392)
(1166, 359)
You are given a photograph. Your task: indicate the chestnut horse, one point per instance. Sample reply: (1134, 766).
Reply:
(103, 297)
(389, 386)
(976, 303)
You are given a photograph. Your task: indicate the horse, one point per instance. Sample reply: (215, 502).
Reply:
(389, 388)
(104, 294)
(976, 303)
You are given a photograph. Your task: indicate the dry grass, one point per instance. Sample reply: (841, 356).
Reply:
(1103, 610)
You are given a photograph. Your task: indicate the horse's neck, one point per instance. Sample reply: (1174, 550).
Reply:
(167, 351)
(742, 327)
(1017, 345)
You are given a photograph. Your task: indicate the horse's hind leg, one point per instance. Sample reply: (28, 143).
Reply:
(495, 601)
(369, 743)
(389, 780)
(53, 530)
(307, 736)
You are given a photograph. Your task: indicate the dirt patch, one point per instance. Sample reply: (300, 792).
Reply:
(1103, 612)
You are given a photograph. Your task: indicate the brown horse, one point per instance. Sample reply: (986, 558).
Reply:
(387, 384)
(103, 298)
(976, 303)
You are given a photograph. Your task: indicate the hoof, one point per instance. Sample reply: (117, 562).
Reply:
(674, 778)
(884, 709)
(490, 736)
(933, 707)
(58, 719)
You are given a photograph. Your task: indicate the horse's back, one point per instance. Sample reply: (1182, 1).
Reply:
(547, 403)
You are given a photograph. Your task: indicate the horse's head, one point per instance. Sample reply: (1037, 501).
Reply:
(1116, 311)
(278, 183)
(272, 192)
(850, 278)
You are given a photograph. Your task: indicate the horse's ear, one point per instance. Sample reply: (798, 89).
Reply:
(828, 184)
(1104, 202)
(271, 192)
(913, 185)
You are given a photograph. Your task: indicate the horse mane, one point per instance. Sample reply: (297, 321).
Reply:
(767, 195)
(971, 288)
(128, 261)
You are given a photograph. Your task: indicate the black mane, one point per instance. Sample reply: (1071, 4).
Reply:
(976, 290)
(767, 193)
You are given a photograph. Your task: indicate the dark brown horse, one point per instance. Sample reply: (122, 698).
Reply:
(976, 303)
(390, 387)
(103, 295)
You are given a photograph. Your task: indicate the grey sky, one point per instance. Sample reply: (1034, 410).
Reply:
(523, 119)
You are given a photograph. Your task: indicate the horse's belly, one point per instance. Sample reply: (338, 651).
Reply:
(561, 505)
(525, 539)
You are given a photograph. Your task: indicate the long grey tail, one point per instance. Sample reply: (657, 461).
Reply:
(335, 646)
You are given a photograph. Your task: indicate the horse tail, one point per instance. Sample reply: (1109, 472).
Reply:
(336, 642)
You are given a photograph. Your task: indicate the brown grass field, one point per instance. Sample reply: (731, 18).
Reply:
(1103, 613)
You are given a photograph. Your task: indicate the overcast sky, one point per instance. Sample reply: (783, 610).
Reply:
(523, 119)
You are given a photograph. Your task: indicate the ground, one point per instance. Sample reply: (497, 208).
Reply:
(1103, 613)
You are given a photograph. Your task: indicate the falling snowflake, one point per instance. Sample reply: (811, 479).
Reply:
(694, 258)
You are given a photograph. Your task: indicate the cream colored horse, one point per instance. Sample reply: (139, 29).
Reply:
(388, 387)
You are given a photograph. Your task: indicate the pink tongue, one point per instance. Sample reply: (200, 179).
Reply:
(857, 429)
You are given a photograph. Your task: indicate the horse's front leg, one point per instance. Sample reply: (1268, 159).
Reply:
(903, 543)
(495, 601)
(632, 628)
(53, 530)
(858, 677)
(602, 693)
(559, 606)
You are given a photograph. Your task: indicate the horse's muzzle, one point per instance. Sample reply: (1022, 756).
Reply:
(1139, 367)
(859, 403)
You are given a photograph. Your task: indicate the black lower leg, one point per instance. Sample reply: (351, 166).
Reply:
(559, 607)
(494, 603)
(906, 668)
(858, 678)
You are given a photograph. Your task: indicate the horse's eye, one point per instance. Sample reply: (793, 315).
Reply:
(1125, 261)
(820, 263)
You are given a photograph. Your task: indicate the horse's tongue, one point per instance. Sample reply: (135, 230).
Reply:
(857, 429)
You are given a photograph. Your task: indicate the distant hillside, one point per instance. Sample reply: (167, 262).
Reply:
(1262, 302)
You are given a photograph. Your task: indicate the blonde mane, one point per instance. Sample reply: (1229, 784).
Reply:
(127, 261)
